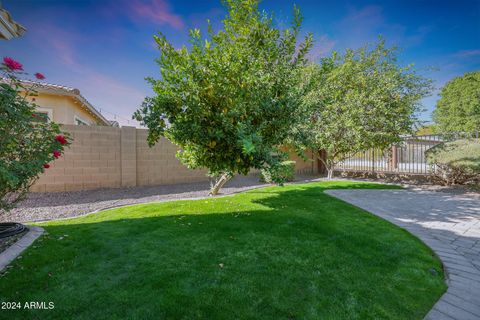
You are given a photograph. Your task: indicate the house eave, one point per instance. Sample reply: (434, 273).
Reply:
(75, 94)
(53, 89)
(8, 28)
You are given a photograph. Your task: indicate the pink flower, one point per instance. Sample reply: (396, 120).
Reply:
(39, 76)
(46, 166)
(61, 139)
(57, 154)
(12, 64)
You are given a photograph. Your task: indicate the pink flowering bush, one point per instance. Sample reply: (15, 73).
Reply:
(11, 64)
(61, 139)
(39, 76)
(27, 145)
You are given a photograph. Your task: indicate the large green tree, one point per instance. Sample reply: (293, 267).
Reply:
(227, 100)
(357, 101)
(458, 109)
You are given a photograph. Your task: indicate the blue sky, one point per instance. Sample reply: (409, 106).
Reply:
(105, 47)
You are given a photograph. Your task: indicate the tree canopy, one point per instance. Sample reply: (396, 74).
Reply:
(357, 101)
(227, 100)
(458, 109)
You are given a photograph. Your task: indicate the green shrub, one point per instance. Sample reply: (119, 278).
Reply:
(456, 162)
(284, 171)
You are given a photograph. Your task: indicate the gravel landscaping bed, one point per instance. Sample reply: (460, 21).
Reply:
(55, 205)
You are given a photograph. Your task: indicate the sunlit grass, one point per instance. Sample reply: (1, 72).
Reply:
(276, 253)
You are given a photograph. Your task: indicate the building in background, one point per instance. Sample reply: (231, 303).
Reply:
(64, 105)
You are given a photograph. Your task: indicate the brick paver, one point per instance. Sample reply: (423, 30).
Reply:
(449, 224)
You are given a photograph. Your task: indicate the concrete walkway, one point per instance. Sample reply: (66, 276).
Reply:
(449, 224)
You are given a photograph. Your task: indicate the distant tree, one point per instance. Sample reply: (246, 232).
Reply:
(458, 109)
(427, 129)
(357, 101)
(27, 144)
(227, 101)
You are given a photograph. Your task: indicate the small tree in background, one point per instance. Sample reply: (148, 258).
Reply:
(456, 162)
(27, 145)
(458, 109)
(425, 130)
(358, 101)
(228, 100)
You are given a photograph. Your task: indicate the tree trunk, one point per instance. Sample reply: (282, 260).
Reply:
(322, 157)
(329, 165)
(219, 183)
(330, 173)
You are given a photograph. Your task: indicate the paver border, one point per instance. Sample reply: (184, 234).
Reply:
(460, 274)
(12, 252)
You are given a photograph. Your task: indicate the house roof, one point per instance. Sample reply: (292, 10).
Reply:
(43, 87)
(8, 27)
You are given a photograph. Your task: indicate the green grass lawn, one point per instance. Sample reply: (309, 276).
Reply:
(288, 252)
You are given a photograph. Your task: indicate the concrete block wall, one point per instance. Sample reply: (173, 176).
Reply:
(301, 166)
(158, 165)
(108, 157)
(91, 162)
(128, 156)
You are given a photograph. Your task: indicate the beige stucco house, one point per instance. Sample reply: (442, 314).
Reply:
(64, 105)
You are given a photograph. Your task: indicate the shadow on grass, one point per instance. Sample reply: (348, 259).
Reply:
(287, 253)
